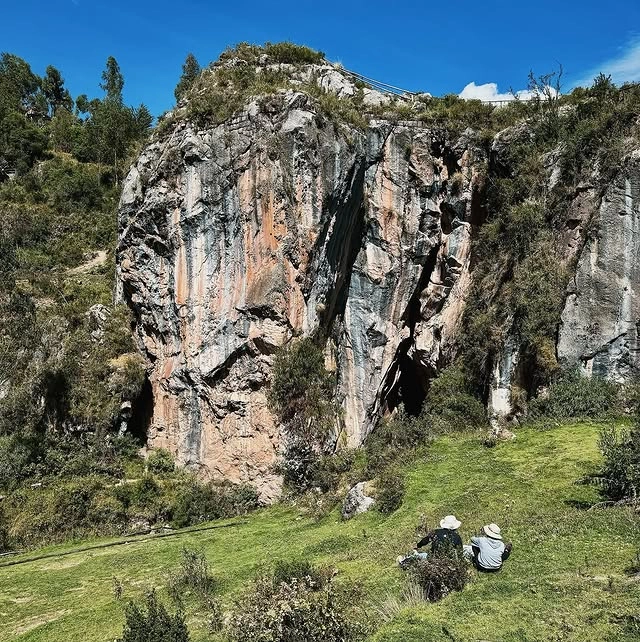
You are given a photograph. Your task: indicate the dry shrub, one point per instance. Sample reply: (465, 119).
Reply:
(438, 576)
(298, 608)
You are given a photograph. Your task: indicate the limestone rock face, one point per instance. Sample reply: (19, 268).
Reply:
(97, 316)
(407, 287)
(230, 237)
(234, 238)
(280, 221)
(599, 330)
(502, 380)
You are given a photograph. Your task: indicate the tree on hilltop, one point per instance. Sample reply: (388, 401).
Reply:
(112, 81)
(190, 71)
(55, 92)
(18, 84)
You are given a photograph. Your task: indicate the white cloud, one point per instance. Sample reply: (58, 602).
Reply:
(623, 68)
(489, 92)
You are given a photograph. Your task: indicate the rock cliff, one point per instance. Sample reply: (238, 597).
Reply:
(236, 236)
(600, 247)
(599, 329)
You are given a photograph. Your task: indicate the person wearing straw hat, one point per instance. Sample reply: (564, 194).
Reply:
(441, 539)
(488, 553)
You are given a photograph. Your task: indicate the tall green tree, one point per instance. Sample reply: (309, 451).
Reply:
(112, 82)
(64, 130)
(18, 84)
(112, 123)
(110, 131)
(21, 142)
(83, 105)
(55, 92)
(190, 71)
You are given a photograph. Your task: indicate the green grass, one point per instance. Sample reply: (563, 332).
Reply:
(564, 581)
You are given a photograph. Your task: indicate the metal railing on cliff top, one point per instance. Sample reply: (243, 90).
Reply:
(392, 90)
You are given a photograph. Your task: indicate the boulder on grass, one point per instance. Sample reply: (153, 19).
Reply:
(358, 500)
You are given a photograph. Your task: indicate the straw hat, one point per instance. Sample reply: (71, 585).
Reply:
(450, 522)
(492, 530)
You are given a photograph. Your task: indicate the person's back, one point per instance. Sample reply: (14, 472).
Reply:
(490, 552)
(442, 539)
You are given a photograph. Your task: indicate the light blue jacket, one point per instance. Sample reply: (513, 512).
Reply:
(490, 552)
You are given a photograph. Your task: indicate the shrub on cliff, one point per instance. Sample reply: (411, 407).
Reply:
(390, 489)
(103, 373)
(439, 575)
(450, 405)
(285, 571)
(302, 395)
(329, 470)
(4, 534)
(160, 461)
(393, 438)
(574, 395)
(298, 464)
(193, 576)
(280, 52)
(302, 390)
(619, 477)
(196, 502)
(290, 53)
(190, 71)
(74, 507)
(537, 299)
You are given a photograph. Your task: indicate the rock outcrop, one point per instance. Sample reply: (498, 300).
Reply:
(600, 247)
(236, 237)
(599, 329)
(279, 221)
(358, 500)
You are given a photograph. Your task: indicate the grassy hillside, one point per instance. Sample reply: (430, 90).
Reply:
(566, 579)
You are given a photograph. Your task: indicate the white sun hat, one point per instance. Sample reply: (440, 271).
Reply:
(450, 522)
(492, 530)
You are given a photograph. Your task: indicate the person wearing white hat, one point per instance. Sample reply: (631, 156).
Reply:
(444, 538)
(488, 553)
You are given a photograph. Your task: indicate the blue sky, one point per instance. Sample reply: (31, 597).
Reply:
(439, 47)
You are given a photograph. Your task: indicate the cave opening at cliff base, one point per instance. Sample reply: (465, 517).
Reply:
(141, 413)
(409, 388)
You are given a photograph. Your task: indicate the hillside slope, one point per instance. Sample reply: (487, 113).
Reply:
(565, 581)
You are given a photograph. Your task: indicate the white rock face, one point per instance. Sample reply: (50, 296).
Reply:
(599, 330)
(502, 379)
(97, 316)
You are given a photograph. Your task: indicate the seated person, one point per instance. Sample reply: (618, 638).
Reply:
(441, 539)
(488, 553)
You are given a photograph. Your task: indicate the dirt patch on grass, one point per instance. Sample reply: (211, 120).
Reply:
(22, 600)
(61, 564)
(33, 622)
(97, 259)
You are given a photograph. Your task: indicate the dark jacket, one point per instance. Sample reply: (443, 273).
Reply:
(441, 539)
